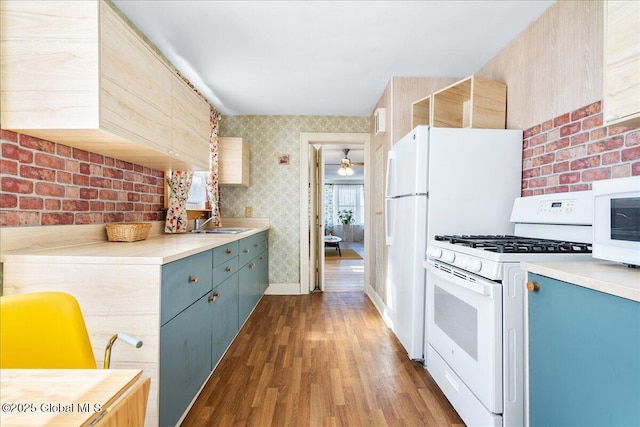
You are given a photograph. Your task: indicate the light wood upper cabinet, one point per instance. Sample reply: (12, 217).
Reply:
(190, 124)
(49, 65)
(135, 88)
(76, 73)
(233, 162)
(622, 63)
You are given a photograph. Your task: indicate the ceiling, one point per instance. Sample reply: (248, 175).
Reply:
(323, 57)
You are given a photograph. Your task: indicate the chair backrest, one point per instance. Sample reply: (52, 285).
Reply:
(43, 330)
(130, 410)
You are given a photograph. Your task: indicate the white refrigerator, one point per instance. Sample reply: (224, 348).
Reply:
(441, 181)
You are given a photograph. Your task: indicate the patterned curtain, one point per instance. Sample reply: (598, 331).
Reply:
(179, 184)
(328, 207)
(212, 183)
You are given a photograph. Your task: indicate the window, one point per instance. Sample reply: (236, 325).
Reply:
(348, 196)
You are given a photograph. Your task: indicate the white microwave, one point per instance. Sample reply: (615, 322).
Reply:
(616, 220)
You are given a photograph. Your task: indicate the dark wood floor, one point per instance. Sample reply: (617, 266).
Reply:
(324, 359)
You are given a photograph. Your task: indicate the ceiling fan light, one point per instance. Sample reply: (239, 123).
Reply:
(342, 172)
(349, 171)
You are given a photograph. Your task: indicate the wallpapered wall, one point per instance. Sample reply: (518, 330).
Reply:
(274, 191)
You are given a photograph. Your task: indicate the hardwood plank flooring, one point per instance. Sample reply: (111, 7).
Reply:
(323, 359)
(345, 275)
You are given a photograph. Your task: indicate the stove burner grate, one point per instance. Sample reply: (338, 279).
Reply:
(513, 244)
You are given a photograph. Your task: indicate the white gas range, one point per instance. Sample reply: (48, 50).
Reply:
(475, 303)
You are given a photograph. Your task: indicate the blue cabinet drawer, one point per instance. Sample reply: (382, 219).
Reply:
(183, 282)
(264, 245)
(224, 253)
(224, 271)
(250, 247)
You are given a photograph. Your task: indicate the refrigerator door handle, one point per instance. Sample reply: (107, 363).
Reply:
(388, 238)
(387, 185)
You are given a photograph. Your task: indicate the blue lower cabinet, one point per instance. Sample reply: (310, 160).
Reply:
(185, 359)
(224, 315)
(584, 356)
(247, 291)
(263, 273)
(205, 300)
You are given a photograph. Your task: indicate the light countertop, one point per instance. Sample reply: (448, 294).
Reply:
(158, 250)
(604, 276)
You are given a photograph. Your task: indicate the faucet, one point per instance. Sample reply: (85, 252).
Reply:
(198, 225)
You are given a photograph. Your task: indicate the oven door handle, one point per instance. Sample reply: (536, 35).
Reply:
(477, 287)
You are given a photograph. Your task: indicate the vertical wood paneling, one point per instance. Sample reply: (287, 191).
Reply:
(553, 66)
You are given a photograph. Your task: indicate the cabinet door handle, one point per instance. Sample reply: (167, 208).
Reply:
(214, 297)
(532, 287)
(229, 251)
(246, 251)
(252, 265)
(193, 279)
(261, 257)
(229, 269)
(257, 244)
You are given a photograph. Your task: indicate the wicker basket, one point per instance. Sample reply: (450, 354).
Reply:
(128, 231)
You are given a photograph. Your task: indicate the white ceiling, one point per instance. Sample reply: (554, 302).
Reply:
(323, 57)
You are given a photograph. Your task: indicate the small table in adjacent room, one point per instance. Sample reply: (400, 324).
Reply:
(333, 242)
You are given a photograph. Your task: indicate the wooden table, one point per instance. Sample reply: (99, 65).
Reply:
(60, 397)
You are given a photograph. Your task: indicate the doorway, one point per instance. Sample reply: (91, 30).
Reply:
(344, 221)
(345, 267)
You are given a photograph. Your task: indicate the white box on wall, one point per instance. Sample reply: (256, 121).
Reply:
(379, 116)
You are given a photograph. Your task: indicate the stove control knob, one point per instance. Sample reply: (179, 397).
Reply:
(448, 257)
(464, 263)
(475, 265)
(434, 252)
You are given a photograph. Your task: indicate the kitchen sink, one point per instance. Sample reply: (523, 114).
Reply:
(221, 230)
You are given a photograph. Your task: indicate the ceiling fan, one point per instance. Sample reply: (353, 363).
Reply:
(346, 163)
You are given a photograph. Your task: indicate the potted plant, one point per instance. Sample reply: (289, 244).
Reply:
(346, 217)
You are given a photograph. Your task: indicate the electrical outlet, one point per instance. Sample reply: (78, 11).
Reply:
(248, 211)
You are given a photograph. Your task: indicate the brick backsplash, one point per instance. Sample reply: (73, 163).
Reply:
(45, 183)
(571, 151)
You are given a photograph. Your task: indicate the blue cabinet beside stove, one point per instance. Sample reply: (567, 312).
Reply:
(584, 356)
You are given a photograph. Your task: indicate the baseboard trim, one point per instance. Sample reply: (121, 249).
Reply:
(283, 289)
(380, 306)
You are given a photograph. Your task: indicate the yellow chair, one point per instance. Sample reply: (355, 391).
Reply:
(46, 330)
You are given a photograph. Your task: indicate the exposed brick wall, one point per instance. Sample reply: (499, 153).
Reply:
(571, 151)
(45, 183)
